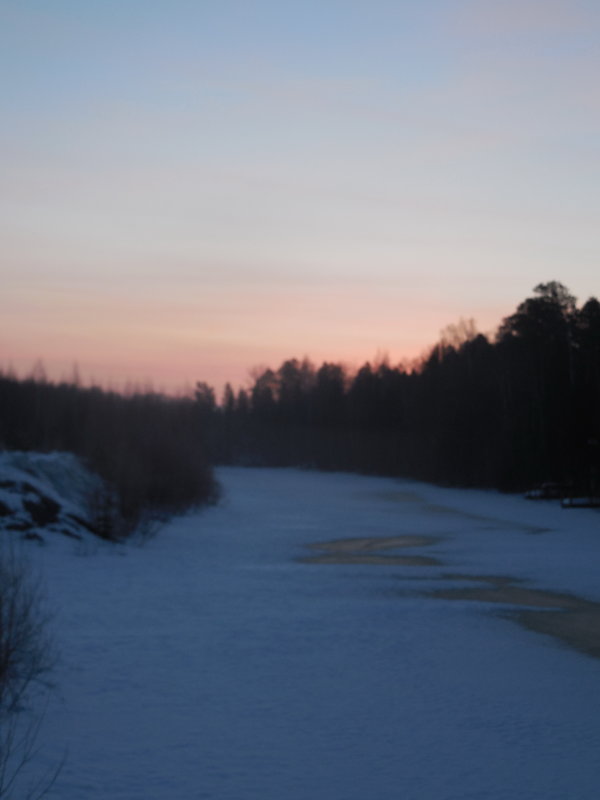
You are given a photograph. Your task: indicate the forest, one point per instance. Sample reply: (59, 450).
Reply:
(508, 412)
(148, 448)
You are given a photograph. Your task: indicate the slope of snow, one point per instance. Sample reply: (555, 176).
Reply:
(211, 663)
(45, 493)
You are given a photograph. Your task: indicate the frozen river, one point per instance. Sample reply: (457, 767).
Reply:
(214, 663)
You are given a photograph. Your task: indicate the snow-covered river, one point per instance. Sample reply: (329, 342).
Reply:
(214, 663)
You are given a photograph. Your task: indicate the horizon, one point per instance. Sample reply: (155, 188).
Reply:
(192, 191)
(72, 374)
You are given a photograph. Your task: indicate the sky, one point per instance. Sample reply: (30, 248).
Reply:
(191, 189)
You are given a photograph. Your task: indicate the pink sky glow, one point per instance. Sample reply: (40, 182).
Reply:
(190, 190)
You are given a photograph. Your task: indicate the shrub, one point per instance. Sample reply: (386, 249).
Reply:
(25, 662)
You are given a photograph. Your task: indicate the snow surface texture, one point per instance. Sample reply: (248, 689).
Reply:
(45, 493)
(213, 663)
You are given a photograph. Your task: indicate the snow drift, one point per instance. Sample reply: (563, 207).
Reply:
(44, 494)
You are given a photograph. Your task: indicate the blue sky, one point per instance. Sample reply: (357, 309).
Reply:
(194, 188)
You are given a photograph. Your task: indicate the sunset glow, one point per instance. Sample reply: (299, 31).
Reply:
(191, 190)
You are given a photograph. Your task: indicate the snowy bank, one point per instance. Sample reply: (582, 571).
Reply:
(46, 494)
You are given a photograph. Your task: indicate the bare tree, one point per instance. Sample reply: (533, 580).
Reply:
(25, 663)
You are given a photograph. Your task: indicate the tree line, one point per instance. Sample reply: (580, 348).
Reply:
(507, 411)
(148, 448)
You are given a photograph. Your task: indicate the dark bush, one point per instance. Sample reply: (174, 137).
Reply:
(148, 448)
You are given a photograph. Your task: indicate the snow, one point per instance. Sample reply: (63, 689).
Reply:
(60, 475)
(58, 481)
(212, 663)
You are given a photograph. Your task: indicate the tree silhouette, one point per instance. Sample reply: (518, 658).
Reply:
(474, 412)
